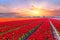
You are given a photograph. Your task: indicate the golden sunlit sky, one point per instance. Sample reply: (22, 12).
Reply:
(30, 8)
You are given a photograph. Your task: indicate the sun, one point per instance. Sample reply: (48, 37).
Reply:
(35, 12)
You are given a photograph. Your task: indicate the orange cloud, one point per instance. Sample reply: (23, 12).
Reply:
(34, 11)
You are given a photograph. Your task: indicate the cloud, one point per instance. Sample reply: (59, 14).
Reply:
(17, 5)
(48, 5)
(4, 9)
(13, 5)
(53, 4)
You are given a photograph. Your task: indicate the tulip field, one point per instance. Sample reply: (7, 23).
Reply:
(30, 29)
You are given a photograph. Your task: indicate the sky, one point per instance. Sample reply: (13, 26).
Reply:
(7, 6)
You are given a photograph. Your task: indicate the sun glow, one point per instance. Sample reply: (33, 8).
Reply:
(28, 12)
(34, 11)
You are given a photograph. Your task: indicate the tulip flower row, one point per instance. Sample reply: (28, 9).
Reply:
(16, 29)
